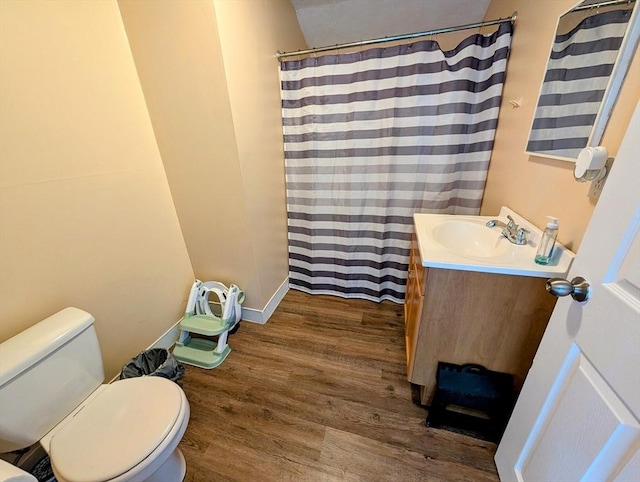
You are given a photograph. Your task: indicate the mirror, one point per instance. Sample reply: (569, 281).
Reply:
(593, 46)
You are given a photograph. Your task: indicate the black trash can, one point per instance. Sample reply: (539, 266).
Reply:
(157, 362)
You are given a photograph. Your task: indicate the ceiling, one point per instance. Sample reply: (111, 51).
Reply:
(330, 22)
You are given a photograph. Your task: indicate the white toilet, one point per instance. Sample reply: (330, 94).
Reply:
(51, 391)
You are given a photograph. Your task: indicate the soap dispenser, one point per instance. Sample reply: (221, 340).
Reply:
(547, 241)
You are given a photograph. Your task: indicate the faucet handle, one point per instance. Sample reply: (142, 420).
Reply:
(512, 223)
(522, 235)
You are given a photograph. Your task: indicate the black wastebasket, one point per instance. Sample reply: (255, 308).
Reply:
(158, 362)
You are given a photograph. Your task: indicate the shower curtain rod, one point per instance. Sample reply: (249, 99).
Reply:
(606, 3)
(512, 19)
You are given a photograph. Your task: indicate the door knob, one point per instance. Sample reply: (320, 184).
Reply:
(578, 288)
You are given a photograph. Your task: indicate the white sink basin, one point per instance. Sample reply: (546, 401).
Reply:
(469, 237)
(466, 243)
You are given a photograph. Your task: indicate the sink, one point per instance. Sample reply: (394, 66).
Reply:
(464, 242)
(468, 237)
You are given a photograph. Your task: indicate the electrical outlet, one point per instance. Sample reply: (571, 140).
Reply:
(596, 186)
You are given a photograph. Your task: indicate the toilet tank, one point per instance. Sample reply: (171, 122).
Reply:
(45, 372)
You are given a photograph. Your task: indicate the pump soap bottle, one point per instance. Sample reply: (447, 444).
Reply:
(547, 242)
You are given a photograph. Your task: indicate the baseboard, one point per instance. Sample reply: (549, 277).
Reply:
(262, 316)
(168, 339)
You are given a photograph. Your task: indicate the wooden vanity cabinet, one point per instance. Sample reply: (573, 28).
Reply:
(494, 320)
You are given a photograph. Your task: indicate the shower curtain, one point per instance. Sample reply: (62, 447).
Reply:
(375, 136)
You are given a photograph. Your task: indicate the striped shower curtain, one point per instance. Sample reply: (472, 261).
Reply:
(577, 76)
(375, 136)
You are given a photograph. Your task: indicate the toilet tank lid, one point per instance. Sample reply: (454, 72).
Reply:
(27, 348)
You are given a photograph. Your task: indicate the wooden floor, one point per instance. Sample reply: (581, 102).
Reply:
(320, 393)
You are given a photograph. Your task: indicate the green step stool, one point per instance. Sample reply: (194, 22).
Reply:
(200, 319)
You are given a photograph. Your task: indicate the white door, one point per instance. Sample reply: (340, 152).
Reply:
(577, 415)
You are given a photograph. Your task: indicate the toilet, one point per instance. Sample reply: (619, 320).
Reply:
(52, 392)
(11, 473)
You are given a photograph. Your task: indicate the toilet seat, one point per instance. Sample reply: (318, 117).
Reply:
(120, 431)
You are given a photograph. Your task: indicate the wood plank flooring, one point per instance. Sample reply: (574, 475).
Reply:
(320, 393)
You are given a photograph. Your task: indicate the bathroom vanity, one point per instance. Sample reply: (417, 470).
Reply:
(472, 297)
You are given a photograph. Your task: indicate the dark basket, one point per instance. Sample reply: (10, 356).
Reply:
(158, 362)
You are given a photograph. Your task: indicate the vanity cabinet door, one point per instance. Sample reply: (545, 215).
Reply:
(414, 300)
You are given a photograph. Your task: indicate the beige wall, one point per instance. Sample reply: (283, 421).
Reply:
(177, 53)
(251, 31)
(534, 186)
(86, 217)
(211, 85)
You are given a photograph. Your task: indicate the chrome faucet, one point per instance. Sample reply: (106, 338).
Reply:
(511, 231)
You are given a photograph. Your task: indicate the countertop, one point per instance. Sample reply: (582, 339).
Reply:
(512, 260)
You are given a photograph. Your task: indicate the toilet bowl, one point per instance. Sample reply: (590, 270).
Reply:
(52, 392)
(126, 431)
